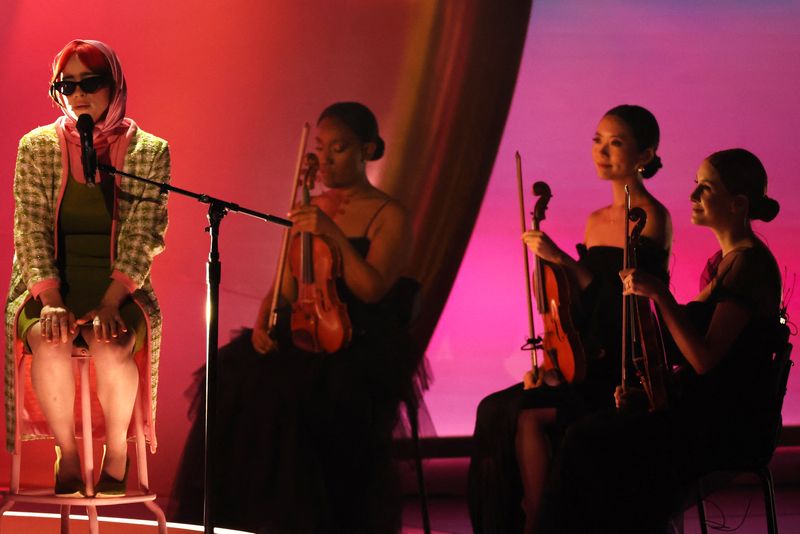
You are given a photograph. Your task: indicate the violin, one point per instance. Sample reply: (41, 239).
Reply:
(642, 342)
(319, 320)
(561, 344)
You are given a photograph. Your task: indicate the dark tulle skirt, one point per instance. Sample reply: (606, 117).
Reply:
(304, 440)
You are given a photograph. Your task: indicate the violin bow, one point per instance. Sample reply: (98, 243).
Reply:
(531, 328)
(273, 311)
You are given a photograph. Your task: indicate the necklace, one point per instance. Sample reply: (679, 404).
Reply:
(341, 201)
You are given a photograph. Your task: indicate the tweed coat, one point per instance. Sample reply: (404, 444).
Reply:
(139, 223)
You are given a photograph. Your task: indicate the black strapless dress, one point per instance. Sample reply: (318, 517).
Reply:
(495, 487)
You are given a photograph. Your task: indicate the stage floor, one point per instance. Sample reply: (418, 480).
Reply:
(446, 484)
(42, 523)
(740, 505)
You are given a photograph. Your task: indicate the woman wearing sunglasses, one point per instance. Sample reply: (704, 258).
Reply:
(82, 260)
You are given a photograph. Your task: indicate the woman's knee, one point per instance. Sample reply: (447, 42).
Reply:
(498, 407)
(536, 419)
(42, 348)
(118, 351)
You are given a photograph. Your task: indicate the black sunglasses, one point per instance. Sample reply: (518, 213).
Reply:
(87, 85)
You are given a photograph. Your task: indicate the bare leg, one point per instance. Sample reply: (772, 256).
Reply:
(54, 383)
(117, 384)
(533, 456)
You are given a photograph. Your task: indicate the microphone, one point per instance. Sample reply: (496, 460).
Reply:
(85, 127)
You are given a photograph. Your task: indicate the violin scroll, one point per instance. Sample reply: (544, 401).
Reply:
(541, 190)
(564, 357)
(311, 166)
(639, 217)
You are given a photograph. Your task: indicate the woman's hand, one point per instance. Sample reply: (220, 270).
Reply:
(106, 322)
(549, 377)
(528, 381)
(57, 324)
(314, 220)
(630, 399)
(540, 244)
(262, 341)
(636, 282)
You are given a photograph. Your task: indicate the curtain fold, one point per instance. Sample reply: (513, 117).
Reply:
(459, 82)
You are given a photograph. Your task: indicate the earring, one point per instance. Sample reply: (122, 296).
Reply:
(640, 172)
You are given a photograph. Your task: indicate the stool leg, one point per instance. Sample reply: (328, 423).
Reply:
(141, 446)
(160, 517)
(8, 504)
(141, 465)
(86, 423)
(91, 511)
(19, 392)
(65, 518)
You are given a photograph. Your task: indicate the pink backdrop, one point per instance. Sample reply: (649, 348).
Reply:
(229, 85)
(715, 74)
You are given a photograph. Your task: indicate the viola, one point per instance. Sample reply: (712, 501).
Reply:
(642, 342)
(319, 319)
(562, 349)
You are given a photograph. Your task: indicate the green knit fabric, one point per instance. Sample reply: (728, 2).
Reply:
(84, 264)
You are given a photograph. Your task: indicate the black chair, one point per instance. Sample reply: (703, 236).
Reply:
(403, 299)
(412, 412)
(781, 365)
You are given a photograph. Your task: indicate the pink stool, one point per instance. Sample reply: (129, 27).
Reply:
(29, 412)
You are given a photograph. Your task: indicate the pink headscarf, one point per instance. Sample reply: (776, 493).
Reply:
(113, 133)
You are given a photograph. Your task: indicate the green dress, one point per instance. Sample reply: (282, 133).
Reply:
(83, 259)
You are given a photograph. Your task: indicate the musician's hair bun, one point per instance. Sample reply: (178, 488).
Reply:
(742, 173)
(360, 120)
(645, 130)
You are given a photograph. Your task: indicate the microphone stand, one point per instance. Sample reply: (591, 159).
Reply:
(217, 209)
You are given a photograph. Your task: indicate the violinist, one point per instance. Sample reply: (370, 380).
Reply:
(305, 436)
(623, 471)
(517, 427)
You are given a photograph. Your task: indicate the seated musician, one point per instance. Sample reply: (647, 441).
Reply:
(511, 441)
(304, 437)
(623, 471)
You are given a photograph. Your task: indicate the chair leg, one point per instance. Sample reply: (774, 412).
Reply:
(701, 515)
(160, 517)
(91, 511)
(65, 518)
(678, 521)
(413, 420)
(768, 488)
(86, 424)
(8, 504)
